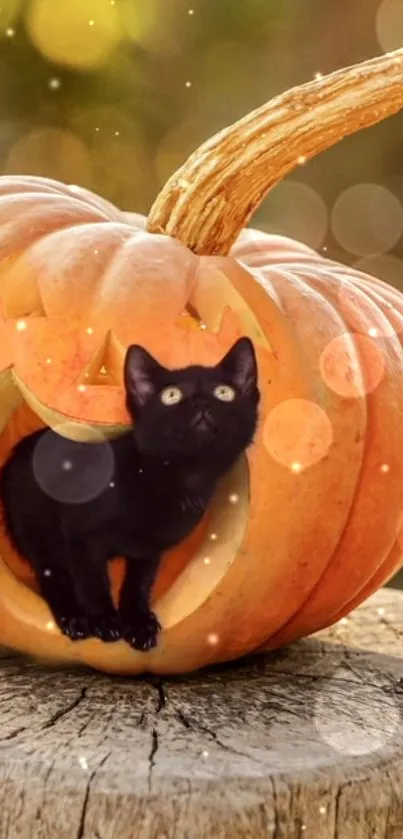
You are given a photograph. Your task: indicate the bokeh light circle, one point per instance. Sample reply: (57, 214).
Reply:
(78, 33)
(363, 723)
(352, 364)
(51, 152)
(294, 209)
(367, 219)
(297, 433)
(71, 472)
(389, 24)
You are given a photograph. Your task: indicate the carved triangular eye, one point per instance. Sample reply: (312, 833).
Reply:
(106, 365)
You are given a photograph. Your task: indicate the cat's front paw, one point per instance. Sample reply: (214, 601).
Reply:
(76, 627)
(141, 630)
(105, 627)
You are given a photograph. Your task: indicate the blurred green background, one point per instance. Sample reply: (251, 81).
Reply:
(114, 94)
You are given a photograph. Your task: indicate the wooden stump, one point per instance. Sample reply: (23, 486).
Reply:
(304, 743)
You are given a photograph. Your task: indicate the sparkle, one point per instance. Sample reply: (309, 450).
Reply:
(96, 129)
(89, 330)
(48, 361)
(324, 248)
(74, 188)
(188, 84)
(83, 762)
(191, 11)
(67, 465)
(117, 133)
(207, 560)
(296, 467)
(233, 498)
(322, 810)
(303, 827)
(212, 639)
(21, 325)
(318, 75)
(47, 572)
(205, 753)
(10, 32)
(373, 332)
(54, 83)
(96, 251)
(50, 625)
(203, 326)
(213, 537)
(381, 611)
(82, 388)
(112, 484)
(91, 22)
(302, 159)
(140, 471)
(344, 621)
(385, 467)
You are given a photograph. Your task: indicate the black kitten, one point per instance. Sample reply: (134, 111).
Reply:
(70, 507)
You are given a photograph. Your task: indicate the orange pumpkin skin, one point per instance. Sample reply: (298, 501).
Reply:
(293, 549)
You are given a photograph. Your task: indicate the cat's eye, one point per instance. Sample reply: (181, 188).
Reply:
(171, 395)
(225, 393)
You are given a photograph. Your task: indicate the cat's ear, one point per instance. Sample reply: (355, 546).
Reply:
(141, 373)
(240, 365)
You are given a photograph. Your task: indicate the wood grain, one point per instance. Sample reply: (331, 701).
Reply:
(306, 743)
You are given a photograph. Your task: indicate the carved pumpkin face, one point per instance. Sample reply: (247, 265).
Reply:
(301, 530)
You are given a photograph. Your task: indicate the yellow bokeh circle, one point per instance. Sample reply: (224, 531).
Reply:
(78, 33)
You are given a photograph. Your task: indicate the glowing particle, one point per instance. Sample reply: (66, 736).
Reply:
(112, 484)
(191, 11)
(344, 621)
(74, 188)
(322, 810)
(47, 572)
(303, 827)
(318, 75)
(381, 611)
(20, 325)
(302, 159)
(91, 22)
(96, 129)
(212, 639)
(83, 763)
(67, 465)
(82, 388)
(54, 83)
(385, 467)
(373, 332)
(48, 361)
(50, 625)
(296, 467)
(10, 32)
(233, 498)
(213, 537)
(205, 753)
(324, 248)
(207, 560)
(117, 133)
(203, 326)
(96, 251)
(90, 330)
(140, 471)
(188, 84)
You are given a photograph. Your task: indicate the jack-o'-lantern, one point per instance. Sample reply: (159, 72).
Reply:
(305, 526)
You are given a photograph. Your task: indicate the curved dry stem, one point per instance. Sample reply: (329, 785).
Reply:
(206, 203)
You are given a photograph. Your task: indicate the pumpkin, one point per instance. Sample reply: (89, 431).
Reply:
(306, 526)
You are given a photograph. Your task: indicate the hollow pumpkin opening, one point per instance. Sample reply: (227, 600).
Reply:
(190, 571)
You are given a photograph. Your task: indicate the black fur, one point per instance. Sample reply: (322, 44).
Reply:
(70, 507)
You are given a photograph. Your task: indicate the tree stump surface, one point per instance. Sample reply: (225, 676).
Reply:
(305, 743)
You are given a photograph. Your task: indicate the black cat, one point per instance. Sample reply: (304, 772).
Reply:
(70, 507)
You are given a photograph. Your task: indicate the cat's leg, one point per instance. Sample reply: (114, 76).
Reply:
(57, 588)
(140, 626)
(91, 582)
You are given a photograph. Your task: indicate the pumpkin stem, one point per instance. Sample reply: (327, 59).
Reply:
(208, 201)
